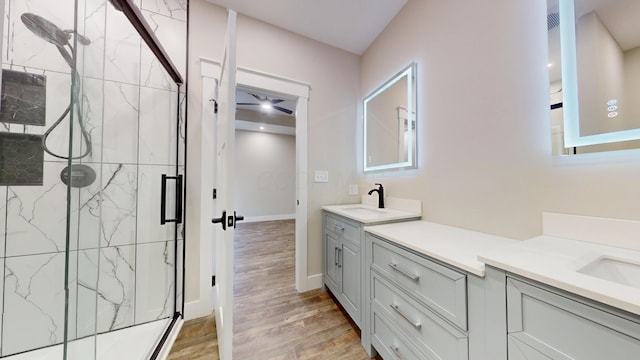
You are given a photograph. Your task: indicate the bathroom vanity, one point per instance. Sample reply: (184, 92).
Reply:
(572, 299)
(427, 294)
(343, 241)
(430, 291)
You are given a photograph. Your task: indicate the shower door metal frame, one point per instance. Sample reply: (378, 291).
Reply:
(137, 20)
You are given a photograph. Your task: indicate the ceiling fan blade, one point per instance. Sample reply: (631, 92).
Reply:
(257, 97)
(246, 104)
(276, 101)
(283, 110)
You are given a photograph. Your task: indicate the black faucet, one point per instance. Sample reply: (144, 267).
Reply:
(380, 191)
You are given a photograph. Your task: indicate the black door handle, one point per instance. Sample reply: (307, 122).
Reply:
(236, 218)
(222, 220)
(163, 200)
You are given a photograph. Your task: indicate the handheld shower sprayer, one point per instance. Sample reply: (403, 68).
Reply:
(51, 33)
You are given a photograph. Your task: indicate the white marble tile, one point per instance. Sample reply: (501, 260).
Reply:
(83, 296)
(91, 19)
(180, 235)
(84, 220)
(90, 104)
(33, 302)
(116, 288)
(118, 200)
(122, 49)
(36, 215)
(172, 35)
(57, 102)
(176, 9)
(120, 127)
(154, 281)
(3, 215)
(182, 129)
(180, 283)
(149, 186)
(158, 127)
(1, 300)
(23, 47)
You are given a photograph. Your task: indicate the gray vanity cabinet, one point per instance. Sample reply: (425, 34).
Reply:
(418, 306)
(546, 323)
(341, 262)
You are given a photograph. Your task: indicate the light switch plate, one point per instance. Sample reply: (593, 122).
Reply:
(321, 176)
(353, 189)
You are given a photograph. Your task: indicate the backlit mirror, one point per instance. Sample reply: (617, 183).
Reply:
(594, 64)
(390, 124)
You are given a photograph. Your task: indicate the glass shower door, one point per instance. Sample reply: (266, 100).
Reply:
(89, 124)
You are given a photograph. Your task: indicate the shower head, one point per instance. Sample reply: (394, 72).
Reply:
(45, 29)
(48, 31)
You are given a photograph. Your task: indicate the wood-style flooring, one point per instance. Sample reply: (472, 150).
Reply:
(271, 319)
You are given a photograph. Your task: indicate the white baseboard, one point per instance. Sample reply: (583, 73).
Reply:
(196, 309)
(314, 282)
(269, 218)
(168, 344)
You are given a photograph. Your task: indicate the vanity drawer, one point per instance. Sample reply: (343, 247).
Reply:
(440, 288)
(343, 228)
(389, 343)
(563, 328)
(432, 334)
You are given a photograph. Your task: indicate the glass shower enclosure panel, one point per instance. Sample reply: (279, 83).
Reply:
(91, 165)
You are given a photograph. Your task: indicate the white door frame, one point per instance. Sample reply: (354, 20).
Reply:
(209, 73)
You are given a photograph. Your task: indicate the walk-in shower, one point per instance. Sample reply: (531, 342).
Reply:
(91, 164)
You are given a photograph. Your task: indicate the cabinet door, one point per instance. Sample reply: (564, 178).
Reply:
(349, 261)
(331, 257)
(521, 351)
(562, 328)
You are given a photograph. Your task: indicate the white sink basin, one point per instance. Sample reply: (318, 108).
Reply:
(367, 211)
(613, 269)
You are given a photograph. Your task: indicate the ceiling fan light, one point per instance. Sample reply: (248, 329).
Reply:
(266, 105)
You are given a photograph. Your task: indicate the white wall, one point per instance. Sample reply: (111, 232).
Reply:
(266, 173)
(483, 117)
(333, 105)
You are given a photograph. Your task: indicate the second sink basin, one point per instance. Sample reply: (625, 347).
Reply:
(614, 269)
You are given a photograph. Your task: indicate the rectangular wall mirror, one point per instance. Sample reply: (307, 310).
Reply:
(594, 67)
(390, 124)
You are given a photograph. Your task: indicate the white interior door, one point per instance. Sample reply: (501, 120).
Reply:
(225, 221)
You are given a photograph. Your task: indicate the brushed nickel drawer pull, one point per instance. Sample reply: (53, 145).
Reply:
(338, 227)
(396, 351)
(415, 324)
(395, 267)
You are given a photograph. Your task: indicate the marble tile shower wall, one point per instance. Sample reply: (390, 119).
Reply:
(122, 268)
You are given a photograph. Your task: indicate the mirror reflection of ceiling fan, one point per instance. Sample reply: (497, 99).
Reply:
(267, 103)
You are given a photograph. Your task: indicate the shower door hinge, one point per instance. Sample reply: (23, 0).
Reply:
(213, 281)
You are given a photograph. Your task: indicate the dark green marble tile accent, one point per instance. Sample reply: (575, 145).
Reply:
(23, 98)
(21, 159)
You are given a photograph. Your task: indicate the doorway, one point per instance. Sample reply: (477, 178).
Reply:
(265, 155)
(298, 92)
(246, 78)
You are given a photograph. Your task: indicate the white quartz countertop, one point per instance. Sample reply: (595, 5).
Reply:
(555, 261)
(368, 214)
(454, 246)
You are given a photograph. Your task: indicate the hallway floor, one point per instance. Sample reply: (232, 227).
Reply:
(271, 320)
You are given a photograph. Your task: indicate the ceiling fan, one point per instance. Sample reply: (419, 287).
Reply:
(267, 103)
